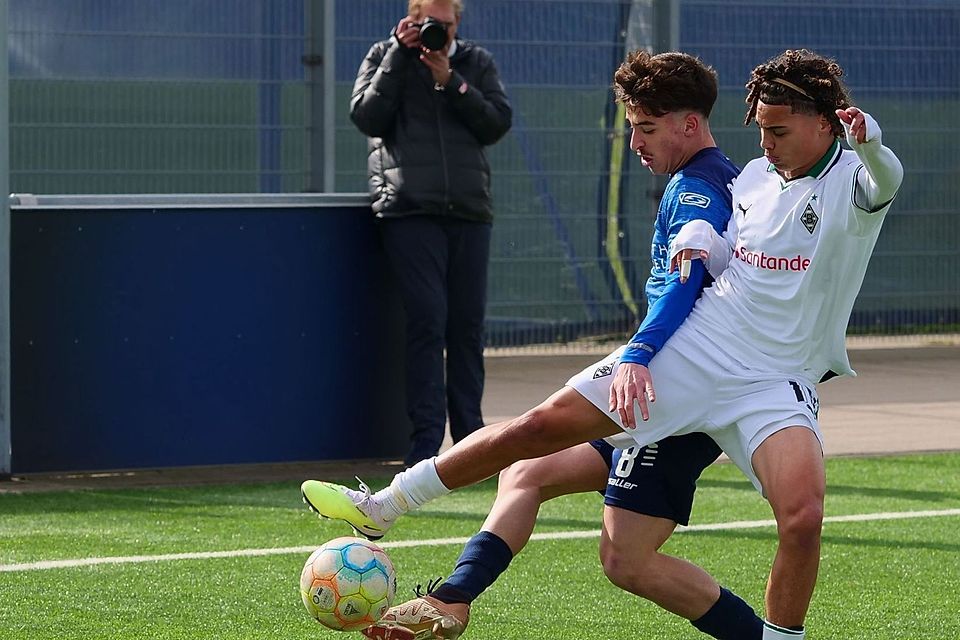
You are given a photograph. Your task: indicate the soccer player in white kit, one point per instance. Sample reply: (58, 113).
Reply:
(744, 365)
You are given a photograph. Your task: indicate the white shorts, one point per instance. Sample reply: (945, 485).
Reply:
(699, 388)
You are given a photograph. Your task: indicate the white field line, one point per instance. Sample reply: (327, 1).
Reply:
(558, 535)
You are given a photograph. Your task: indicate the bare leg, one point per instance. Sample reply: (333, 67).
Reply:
(527, 484)
(564, 419)
(629, 552)
(789, 465)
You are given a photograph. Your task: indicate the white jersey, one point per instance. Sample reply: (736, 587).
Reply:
(800, 252)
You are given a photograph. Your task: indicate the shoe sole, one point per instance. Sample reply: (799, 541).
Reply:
(390, 632)
(370, 537)
(377, 632)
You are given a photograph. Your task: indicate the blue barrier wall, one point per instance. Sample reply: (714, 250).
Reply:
(173, 333)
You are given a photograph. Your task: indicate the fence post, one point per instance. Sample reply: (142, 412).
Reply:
(5, 368)
(666, 37)
(666, 25)
(319, 60)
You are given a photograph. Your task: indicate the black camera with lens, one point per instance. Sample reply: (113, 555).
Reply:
(433, 34)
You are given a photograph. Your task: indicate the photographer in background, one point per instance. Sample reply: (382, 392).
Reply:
(429, 103)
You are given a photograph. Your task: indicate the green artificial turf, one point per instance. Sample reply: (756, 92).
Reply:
(886, 579)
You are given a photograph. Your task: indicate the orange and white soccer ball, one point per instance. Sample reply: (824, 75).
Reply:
(348, 584)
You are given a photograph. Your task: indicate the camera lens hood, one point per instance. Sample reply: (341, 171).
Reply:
(433, 34)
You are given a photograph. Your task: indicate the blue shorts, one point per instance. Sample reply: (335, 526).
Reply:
(660, 479)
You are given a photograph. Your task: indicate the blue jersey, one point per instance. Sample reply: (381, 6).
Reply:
(701, 189)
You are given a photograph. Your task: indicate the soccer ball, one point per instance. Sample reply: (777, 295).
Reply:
(348, 584)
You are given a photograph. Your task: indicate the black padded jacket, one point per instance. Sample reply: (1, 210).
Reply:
(426, 147)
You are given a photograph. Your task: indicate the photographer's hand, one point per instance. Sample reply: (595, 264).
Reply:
(406, 33)
(439, 65)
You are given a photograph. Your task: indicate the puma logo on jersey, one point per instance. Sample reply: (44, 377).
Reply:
(694, 199)
(810, 218)
(743, 209)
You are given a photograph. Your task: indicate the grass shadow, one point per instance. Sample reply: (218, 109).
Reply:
(828, 540)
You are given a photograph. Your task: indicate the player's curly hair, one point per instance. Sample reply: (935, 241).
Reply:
(664, 83)
(805, 81)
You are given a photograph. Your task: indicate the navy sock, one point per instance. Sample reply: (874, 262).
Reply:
(484, 558)
(730, 618)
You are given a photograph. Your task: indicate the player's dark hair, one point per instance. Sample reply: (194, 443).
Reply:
(803, 80)
(665, 83)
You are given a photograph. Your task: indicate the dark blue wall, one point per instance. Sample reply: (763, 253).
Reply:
(145, 338)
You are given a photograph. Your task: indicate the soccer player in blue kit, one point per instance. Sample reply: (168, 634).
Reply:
(668, 99)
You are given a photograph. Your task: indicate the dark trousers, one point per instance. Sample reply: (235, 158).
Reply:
(440, 266)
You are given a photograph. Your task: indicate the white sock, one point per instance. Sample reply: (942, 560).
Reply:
(411, 489)
(772, 631)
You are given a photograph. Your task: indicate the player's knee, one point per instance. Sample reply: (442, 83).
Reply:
(523, 475)
(614, 564)
(525, 434)
(625, 568)
(802, 522)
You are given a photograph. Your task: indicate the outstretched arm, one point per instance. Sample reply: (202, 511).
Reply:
(876, 186)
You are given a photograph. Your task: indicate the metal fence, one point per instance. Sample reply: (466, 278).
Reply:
(137, 96)
(206, 96)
